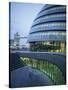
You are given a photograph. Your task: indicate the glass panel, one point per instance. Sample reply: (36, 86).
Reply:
(45, 67)
(49, 46)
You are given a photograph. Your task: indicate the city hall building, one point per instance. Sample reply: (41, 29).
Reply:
(48, 31)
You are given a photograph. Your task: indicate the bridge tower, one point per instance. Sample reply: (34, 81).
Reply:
(16, 40)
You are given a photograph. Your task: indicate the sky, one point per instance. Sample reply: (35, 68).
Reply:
(21, 18)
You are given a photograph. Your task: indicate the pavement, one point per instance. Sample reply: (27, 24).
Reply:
(28, 77)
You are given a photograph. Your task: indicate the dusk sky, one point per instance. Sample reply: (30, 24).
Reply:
(22, 16)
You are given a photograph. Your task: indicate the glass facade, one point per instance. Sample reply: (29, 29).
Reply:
(48, 31)
(51, 46)
(56, 9)
(45, 67)
(50, 18)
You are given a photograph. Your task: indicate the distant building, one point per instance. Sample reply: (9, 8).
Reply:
(16, 40)
(15, 43)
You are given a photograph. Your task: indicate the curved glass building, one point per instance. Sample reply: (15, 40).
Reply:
(48, 31)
